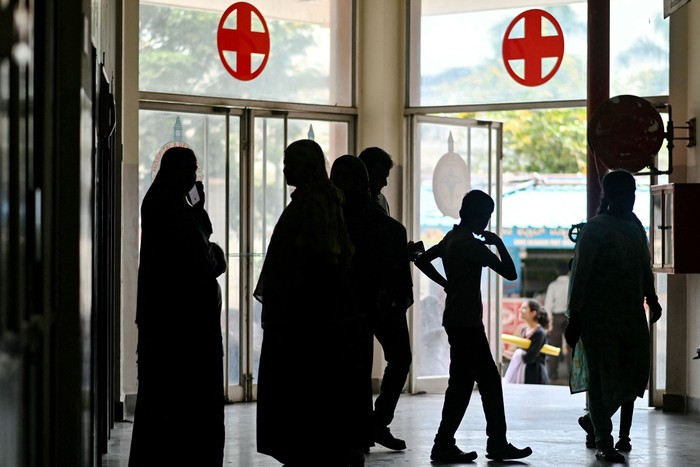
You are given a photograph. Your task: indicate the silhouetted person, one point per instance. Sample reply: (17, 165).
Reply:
(527, 366)
(610, 278)
(309, 325)
(463, 257)
(379, 164)
(179, 333)
(383, 287)
(555, 301)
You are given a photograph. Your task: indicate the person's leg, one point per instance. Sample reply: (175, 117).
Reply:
(488, 379)
(601, 417)
(490, 389)
(459, 386)
(394, 338)
(626, 411)
(459, 390)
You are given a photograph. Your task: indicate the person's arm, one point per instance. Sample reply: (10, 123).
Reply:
(424, 263)
(536, 342)
(503, 263)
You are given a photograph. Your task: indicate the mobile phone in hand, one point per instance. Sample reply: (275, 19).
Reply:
(193, 195)
(415, 249)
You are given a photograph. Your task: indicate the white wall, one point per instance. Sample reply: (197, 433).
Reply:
(130, 197)
(380, 87)
(380, 98)
(688, 51)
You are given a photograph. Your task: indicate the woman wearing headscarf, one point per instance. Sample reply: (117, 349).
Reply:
(611, 277)
(307, 309)
(180, 399)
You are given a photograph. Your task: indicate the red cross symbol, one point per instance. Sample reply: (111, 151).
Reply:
(243, 41)
(533, 47)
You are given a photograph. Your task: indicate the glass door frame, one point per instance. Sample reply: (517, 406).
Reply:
(493, 293)
(247, 112)
(248, 198)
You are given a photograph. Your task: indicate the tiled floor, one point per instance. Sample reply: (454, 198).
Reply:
(543, 417)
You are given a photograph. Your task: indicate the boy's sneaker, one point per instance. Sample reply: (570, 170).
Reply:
(585, 423)
(508, 452)
(452, 455)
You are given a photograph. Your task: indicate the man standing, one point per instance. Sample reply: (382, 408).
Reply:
(390, 325)
(379, 164)
(556, 301)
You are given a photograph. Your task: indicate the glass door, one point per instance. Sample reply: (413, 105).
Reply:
(450, 156)
(215, 139)
(267, 195)
(240, 155)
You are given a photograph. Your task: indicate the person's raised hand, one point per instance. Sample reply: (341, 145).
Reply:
(490, 238)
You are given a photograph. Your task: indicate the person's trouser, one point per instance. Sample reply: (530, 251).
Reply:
(392, 334)
(471, 361)
(600, 413)
(626, 410)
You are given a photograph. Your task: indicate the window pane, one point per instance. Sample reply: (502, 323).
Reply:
(461, 56)
(639, 48)
(309, 59)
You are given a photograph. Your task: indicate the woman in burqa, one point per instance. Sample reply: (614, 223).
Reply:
(610, 279)
(179, 415)
(308, 358)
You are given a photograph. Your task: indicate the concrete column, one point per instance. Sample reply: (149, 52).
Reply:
(130, 198)
(381, 61)
(381, 66)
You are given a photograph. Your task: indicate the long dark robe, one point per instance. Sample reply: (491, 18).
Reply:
(611, 275)
(179, 417)
(309, 334)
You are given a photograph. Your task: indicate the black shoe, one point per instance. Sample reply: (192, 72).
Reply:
(452, 455)
(585, 423)
(384, 437)
(623, 444)
(609, 455)
(508, 452)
